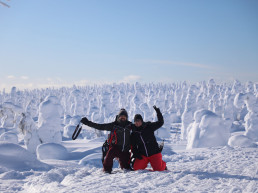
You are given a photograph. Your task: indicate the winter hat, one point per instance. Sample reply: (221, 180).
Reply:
(122, 112)
(138, 117)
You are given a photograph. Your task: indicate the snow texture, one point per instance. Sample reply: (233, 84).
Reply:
(241, 141)
(210, 135)
(30, 131)
(251, 118)
(49, 123)
(9, 137)
(14, 157)
(51, 151)
(208, 130)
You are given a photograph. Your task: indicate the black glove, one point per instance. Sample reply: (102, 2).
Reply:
(156, 108)
(85, 121)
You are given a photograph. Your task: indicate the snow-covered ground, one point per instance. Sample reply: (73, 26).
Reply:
(210, 135)
(218, 169)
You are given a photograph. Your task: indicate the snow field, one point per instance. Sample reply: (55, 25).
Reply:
(221, 169)
(217, 123)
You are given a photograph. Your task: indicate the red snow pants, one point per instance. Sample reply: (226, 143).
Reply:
(113, 152)
(155, 160)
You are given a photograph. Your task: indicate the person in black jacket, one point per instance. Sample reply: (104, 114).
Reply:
(144, 144)
(119, 140)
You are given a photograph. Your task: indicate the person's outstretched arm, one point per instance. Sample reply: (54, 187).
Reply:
(156, 125)
(105, 126)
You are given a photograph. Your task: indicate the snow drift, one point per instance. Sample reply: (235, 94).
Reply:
(51, 151)
(14, 157)
(40, 122)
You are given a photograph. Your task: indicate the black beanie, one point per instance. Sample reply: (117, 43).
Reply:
(122, 112)
(138, 117)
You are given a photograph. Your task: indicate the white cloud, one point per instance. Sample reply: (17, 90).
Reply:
(131, 78)
(168, 62)
(49, 79)
(57, 82)
(10, 77)
(14, 77)
(82, 82)
(197, 65)
(90, 82)
(24, 77)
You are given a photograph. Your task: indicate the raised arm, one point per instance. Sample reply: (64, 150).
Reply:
(105, 126)
(156, 125)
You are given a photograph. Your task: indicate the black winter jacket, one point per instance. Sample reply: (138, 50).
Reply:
(120, 133)
(143, 139)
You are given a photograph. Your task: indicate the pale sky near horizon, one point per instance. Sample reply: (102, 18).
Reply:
(61, 42)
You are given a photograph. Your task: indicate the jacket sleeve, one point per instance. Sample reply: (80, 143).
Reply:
(105, 126)
(156, 125)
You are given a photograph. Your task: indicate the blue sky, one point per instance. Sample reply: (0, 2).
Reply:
(61, 42)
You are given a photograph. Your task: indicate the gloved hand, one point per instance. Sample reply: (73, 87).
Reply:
(156, 108)
(84, 121)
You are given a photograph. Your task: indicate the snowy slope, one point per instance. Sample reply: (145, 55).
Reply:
(220, 169)
(210, 135)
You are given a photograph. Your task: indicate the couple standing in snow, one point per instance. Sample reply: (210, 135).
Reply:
(124, 135)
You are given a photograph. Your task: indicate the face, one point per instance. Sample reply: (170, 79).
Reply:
(138, 123)
(122, 118)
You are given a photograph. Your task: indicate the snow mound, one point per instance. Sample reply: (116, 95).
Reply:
(208, 130)
(11, 175)
(29, 130)
(75, 120)
(68, 131)
(92, 159)
(14, 157)
(52, 151)
(49, 121)
(251, 118)
(48, 181)
(9, 136)
(163, 133)
(241, 141)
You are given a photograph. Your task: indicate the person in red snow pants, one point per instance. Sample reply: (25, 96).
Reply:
(155, 160)
(144, 144)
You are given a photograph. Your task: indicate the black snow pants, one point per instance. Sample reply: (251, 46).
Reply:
(114, 152)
